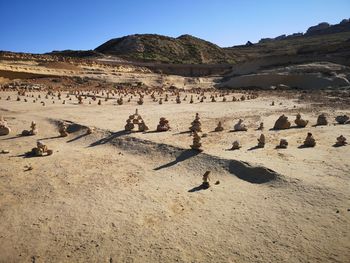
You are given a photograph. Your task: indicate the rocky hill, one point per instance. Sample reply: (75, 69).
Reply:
(320, 40)
(150, 47)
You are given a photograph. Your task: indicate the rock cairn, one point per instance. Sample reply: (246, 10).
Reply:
(309, 141)
(282, 123)
(301, 123)
(62, 129)
(321, 120)
(196, 144)
(341, 141)
(196, 125)
(219, 127)
(206, 179)
(163, 125)
(33, 130)
(236, 145)
(261, 141)
(283, 144)
(4, 128)
(239, 126)
(40, 150)
(342, 119)
(135, 119)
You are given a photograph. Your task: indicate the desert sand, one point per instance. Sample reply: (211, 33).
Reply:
(114, 196)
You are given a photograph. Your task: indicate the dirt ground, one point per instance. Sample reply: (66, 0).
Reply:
(111, 196)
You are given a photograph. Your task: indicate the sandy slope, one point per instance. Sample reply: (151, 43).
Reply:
(112, 197)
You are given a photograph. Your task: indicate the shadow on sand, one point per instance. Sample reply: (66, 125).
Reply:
(199, 188)
(186, 154)
(78, 137)
(109, 138)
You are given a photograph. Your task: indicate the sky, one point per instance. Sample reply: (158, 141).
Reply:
(39, 26)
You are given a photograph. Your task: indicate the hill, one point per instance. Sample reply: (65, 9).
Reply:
(185, 49)
(322, 40)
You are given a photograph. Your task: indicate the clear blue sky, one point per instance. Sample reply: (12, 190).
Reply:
(40, 26)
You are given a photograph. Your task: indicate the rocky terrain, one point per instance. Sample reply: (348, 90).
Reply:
(105, 154)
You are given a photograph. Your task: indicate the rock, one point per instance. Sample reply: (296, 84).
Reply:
(309, 141)
(282, 123)
(219, 128)
(206, 179)
(321, 120)
(283, 144)
(196, 145)
(261, 141)
(300, 122)
(341, 141)
(133, 120)
(236, 145)
(239, 126)
(342, 119)
(62, 129)
(4, 128)
(163, 125)
(196, 125)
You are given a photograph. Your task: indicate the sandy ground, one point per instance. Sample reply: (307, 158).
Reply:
(116, 197)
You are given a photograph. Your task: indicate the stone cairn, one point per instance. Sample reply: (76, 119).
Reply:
(261, 141)
(239, 126)
(33, 130)
(309, 141)
(196, 125)
(120, 101)
(40, 150)
(206, 179)
(163, 125)
(196, 145)
(140, 101)
(342, 119)
(178, 99)
(321, 120)
(62, 129)
(282, 123)
(4, 128)
(219, 127)
(341, 141)
(80, 99)
(261, 126)
(236, 145)
(301, 123)
(283, 144)
(133, 120)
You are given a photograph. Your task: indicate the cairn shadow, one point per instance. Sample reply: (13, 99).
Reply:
(155, 131)
(237, 131)
(183, 132)
(78, 137)
(304, 146)
(50, 138)
(254, 148)
(186, 154)
(109, 138)
(338, 145)
(198, 188)
(13, 137)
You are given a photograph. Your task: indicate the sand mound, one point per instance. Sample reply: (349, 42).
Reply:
(192, 160)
